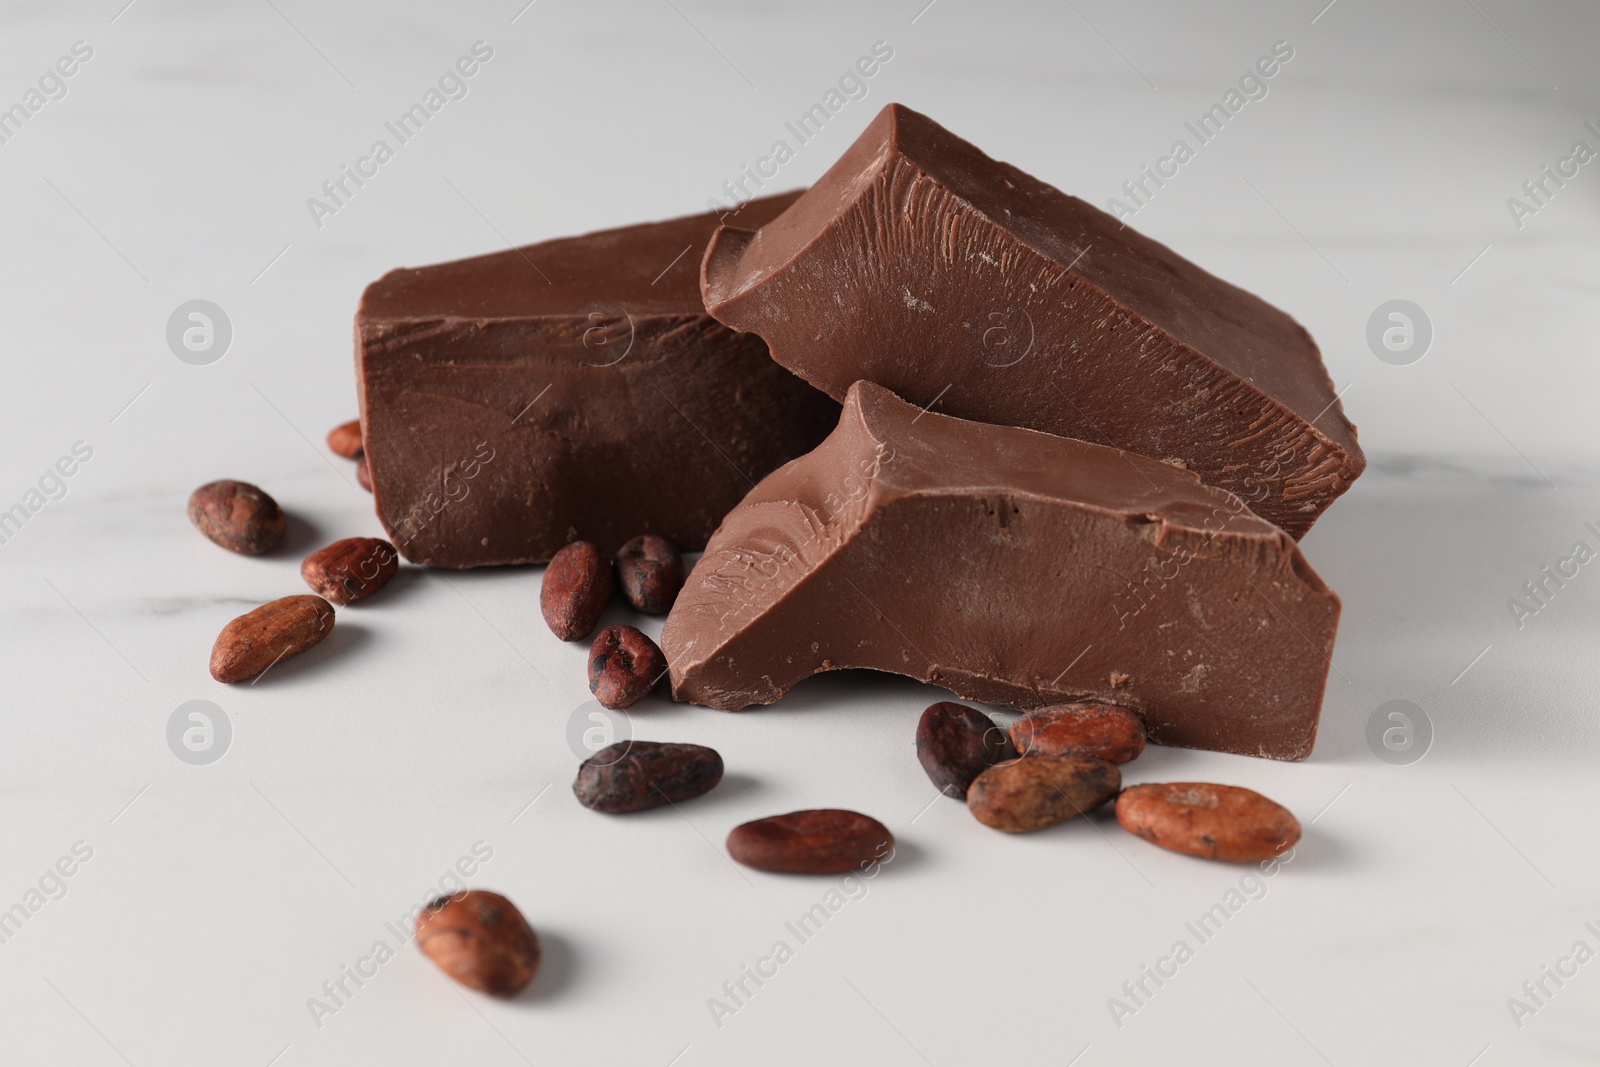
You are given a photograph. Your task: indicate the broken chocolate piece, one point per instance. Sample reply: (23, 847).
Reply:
(1013, 568)
(921, 264)
(570, 390)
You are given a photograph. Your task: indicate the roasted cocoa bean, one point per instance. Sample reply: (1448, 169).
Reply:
(650, 572)
(256, 640)
(1039, 791)
(577, 585)
(481, 940)
(818, 841)
(364, 475)
(1111, 732)
(1217, 822)
(624, 665)
(345, 439)
(635, 775)
(352, 569)
(238, 516)
(956, 743)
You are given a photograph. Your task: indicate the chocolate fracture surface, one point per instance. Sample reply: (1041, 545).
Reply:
(1014, 568)
(574, 389)
(921, 264)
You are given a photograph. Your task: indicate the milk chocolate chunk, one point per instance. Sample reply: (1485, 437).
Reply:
(1014, 568)
(569, 390)
(921, 264)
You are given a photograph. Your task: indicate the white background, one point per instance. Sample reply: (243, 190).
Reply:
(219, 898)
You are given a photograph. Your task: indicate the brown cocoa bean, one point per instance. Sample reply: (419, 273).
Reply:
(1111, 732)
(577, 585)
(364, 475)
(481, 940)
(256, 640)
(956, 743)
(1039, 791)
(818, 841)
(650, 572)
(635, 775)
(352, 569)
(624, 665)
(345, 440)
(1217, 822)
(238, 516)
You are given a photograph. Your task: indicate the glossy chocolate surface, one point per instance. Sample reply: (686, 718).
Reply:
(569, 390)
(1014, 568)
(919, 263)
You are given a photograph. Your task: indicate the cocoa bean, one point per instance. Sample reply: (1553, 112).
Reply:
(956, 743)
(635, 775)
(345, 439)
(650, 572)
(481, 940)
(1039, 791)
(1109, 731)
(624, 665)
(238, 516)
(1218, 822)
(364, 475)
(577, 585)
(352, 569)
(817, 841)
(256, 640)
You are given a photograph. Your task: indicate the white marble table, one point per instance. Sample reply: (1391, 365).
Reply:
(208, 905)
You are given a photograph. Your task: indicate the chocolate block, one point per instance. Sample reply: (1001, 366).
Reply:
(1015, 568)
(574, 389)
(921, 264)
